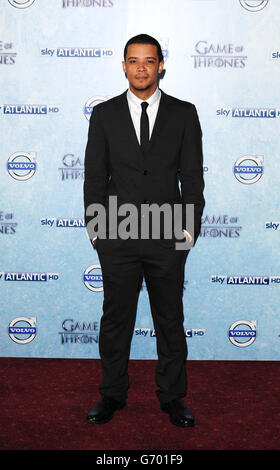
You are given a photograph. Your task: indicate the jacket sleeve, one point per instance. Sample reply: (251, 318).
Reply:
(96, 165)
(191, 172)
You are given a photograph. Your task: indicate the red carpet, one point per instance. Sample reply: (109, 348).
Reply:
(44, 403)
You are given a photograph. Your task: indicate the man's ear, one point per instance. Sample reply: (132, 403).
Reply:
(123, 66)
(161, 66)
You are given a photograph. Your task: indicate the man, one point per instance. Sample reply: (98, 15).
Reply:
(141, 144)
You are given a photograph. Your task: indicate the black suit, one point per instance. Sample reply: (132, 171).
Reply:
(115, 165)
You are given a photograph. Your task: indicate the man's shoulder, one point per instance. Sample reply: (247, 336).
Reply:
(109, 103)
(183, 104)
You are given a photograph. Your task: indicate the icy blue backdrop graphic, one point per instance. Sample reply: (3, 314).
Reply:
(59, 58)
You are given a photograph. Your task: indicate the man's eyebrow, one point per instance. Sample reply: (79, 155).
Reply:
(134, 57)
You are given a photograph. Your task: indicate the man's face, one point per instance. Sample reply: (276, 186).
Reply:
(142, 66)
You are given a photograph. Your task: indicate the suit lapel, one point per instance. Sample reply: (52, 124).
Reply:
(127, 123)
(161, 118)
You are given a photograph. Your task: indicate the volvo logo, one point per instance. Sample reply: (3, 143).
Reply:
(240, 336)
(251, 172)
(22, 330)
(22, 165)
(92, 278)
(253, 5)
(21, 4)
(91, 102)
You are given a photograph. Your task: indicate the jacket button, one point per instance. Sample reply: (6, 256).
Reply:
(145, 172)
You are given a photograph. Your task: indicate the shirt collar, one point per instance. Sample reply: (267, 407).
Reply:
(134, 100)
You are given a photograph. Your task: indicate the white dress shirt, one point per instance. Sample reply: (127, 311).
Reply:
(134, 104)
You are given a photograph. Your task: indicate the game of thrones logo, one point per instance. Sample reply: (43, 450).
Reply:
(75, 332)
(72, 169)
(87, 3)
(221, 226)
(218, 55)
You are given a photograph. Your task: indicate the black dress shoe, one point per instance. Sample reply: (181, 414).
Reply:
(179, 414)
(104, 410)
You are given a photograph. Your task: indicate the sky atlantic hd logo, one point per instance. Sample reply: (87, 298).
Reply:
(275, 55)
(248, 169)
(37, 109)
(245, 280)
(151, 332)
(209, 55)
(271, 225)
(22, 165)
(28, 276)
(7, 55)
(62, 222)
(269, 113)
(221, 226)
(88, 52)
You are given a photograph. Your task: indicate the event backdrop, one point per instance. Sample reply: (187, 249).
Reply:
(58, 59)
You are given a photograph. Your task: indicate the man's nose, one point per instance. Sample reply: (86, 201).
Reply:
(141, 66)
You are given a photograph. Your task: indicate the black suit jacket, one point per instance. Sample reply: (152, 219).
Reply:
(115, 164)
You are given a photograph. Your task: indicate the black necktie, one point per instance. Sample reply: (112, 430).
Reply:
(144, 127)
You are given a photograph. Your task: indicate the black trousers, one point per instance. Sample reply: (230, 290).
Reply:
(124, 264)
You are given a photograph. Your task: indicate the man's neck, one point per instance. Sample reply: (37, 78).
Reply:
(144, 94)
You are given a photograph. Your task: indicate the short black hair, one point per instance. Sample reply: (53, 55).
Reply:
(144, 39)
